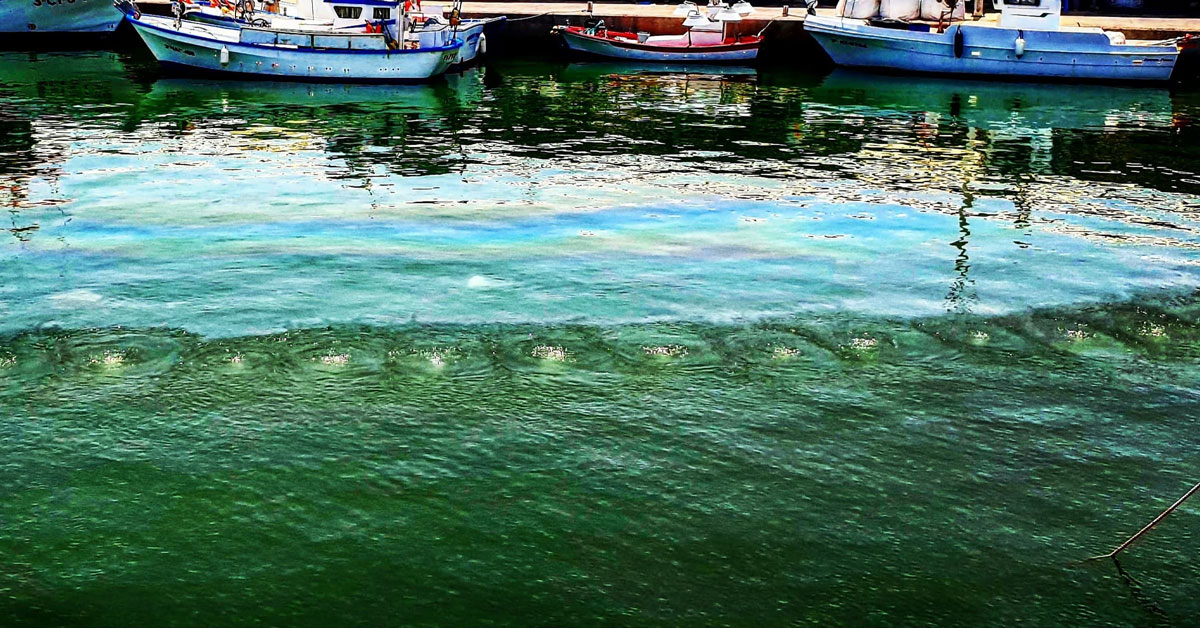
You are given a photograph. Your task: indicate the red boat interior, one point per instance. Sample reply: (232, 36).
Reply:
(697, 38)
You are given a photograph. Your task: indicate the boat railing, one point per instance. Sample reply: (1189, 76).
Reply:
(303, 39)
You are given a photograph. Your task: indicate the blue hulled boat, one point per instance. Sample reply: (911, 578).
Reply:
(58, 16)
(1027, 42)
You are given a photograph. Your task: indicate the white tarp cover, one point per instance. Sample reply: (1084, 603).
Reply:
(933, 9)
(900, 9)
(858, 9)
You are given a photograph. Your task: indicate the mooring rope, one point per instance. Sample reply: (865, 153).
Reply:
(528, 17)
(764, 29)
(1149, 526)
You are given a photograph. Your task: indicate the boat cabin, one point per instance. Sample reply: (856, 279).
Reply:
(1040, 15)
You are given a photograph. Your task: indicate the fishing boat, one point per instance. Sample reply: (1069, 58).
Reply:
(1029, 41)
(710, 37)
(58, 16)
(352, 15)
(306, 53)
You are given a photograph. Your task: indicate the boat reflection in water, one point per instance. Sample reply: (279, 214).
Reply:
(950, 133)
(1019, 152)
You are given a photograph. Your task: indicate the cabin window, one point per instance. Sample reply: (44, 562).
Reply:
(347, 13)
(382, 14)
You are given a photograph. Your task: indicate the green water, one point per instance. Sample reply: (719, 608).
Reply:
(589, 345)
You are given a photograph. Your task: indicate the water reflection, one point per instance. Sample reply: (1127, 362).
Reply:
(408, 130)
(852, 190)
(962, 295)
(350, 317)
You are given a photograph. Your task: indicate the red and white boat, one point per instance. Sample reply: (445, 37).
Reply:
(711, 38)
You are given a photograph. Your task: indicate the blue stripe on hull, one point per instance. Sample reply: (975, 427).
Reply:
(182, 71)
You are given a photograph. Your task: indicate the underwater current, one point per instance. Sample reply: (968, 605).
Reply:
(587, 344)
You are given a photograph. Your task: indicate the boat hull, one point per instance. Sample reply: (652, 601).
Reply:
(185, 50)
(472, 37)
(470, 32)
(992, 51)
(599, 47)
(58, 16)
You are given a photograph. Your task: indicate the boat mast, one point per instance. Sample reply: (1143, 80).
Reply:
(455, 17)
(401, 23)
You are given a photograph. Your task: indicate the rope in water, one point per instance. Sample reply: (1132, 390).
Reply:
(1149, 526)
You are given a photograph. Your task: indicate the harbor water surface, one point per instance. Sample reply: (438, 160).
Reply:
(594, 345)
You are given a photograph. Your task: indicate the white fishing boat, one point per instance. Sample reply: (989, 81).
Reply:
(58, 16)
(306, 53)
(1029, 41)
(711, 38)
(351, 15)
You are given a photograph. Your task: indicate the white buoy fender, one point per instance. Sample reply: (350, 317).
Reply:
(1019, 47)
(224, 56)
(482, 44)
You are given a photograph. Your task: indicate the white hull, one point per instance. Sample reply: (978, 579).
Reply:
(58, 16)
(199, 47)
(992, 51)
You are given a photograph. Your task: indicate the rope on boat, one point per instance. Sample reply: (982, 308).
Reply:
(528, 17)
(1174, 41)
(764, 29)
(1149, 526)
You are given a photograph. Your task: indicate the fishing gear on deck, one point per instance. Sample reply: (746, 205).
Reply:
(243, 9)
